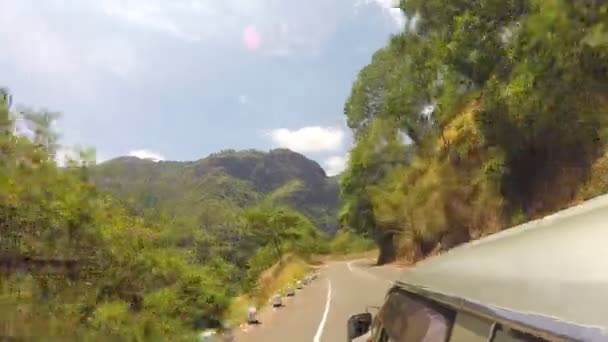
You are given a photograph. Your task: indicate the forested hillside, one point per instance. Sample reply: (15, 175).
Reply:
(481, 115)
(184, 190)
(79, 264)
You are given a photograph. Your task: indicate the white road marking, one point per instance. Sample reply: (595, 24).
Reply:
(360, 271)
(350, 267)
(317, 337)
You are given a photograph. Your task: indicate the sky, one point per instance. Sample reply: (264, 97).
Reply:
(180, 79)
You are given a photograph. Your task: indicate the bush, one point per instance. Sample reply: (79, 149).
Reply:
(347, 241)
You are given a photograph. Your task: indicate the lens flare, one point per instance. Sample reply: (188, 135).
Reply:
(251, 38)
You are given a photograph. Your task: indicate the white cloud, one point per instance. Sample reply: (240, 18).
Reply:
(36, 43)
(288, 28)
(151, 15)
(390, 7)
(146, 154)
(281, 27)
(335, 165)
(243, 99)
(118, 62)
(104, 54)
(308, 139)
(27, 37)
(37, 36)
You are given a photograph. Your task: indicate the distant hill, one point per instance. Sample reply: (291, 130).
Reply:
(240, 178)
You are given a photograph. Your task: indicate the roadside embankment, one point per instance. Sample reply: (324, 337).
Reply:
(276, 279)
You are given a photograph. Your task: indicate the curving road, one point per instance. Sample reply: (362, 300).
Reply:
(319, 311)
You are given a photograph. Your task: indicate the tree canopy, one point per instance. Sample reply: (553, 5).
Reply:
(78, 262)
(504, 106)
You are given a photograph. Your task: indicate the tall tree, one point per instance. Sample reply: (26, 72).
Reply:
(500, 98)
(41, 123)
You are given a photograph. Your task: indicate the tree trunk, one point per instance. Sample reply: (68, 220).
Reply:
(277, 248)
(387, 248)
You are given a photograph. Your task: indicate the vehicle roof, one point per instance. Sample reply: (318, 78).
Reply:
(549, 274)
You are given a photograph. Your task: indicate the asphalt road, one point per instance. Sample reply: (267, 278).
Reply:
(318, 312)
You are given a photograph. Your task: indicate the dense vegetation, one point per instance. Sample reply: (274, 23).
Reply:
(480, 115)
(230, 179)
(79, 264)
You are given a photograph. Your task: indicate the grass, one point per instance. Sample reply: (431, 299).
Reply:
(237, 312)
(281, 275)
(274, 280)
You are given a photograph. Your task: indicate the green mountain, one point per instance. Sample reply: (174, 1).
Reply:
(236, 178)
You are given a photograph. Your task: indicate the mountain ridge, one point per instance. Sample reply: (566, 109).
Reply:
(241, 177)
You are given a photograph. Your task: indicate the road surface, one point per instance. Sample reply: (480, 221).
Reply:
(318, 312)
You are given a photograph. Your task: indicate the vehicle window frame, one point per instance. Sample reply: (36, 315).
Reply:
(383, 336)
(377, 328)
(514, 334)
(447, 313)
(469, 326)
(376, 331)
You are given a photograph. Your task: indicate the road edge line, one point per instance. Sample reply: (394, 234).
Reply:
(319, 333)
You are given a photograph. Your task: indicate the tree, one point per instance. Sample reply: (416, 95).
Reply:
(517, 91)
(81, 266)
(41, 123)
(274, 226)
(6, 124)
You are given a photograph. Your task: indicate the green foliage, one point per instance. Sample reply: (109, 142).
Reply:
(284, 192)
(279, 230)
(379, 150)
(40, 123)
(519, 115)
(263, 258)
(347, 241)
(149, 268)
(276, 226)
(180, 191)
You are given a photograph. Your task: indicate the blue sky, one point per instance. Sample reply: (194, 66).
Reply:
(179, 79)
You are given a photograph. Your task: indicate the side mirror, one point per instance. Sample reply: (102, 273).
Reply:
(358, 325)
